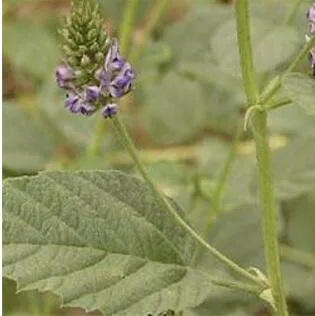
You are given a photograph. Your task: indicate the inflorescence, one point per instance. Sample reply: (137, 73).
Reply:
(93, 72)
(311, 22)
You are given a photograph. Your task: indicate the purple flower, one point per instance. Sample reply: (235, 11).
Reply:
(112, 81)
(73, 102)
(311, 59)
(113, 60)
(92, 93)
(311, 18)
(109, 110)
(87, 109)
(117, 76)
(64, 74)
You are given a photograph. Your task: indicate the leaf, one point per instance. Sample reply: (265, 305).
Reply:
(293, 121)
(78, 128)
(299, 233)
(294, 168)
(30, 152)
(100, 241)
(189, 39)
(238, 235)
(301, 89)
(279, 42)
(174, 109)
(24, 51)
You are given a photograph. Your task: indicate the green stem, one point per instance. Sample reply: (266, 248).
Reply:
(277, 104)
(164, 204)
(154, 18)
(268, 207)
(245, 51)
(127, 25)
(256, 290)
(275, 83)
(219, 189)
(259, 120)
(293, 10)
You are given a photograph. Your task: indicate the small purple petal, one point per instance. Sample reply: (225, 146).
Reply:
(109, 110)
(113, 60)
(311, 18)
(63, 75)
(92, 93)
(115, 92)
(87, 108)
(73, 103)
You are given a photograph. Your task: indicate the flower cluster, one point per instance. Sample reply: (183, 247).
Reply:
(311, 22)
(93, 73)
(112, 81)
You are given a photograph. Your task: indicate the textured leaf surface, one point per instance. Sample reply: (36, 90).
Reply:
(301, 89)
(98, 240)
(27, 146)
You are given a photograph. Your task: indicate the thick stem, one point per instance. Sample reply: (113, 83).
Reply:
(245, 51)
(165, 205)
(268, 208)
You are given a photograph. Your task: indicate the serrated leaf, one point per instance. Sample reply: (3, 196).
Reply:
(301, 89)
(30, 152)
(100, 241)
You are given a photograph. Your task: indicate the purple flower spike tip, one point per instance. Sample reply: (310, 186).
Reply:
(109, 110)
(63, 75)
(311, 18)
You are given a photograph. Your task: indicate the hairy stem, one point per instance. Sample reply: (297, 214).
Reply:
(275, 83)
(164, 203)
(245, 51)
(259, 125)
(268, 208)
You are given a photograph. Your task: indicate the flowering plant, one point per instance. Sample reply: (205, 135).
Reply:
(190, 233)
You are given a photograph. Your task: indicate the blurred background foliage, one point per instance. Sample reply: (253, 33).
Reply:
(183, 115)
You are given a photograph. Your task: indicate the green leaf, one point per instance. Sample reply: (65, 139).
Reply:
(30, 47)
(301, 89)
(100, 241)
(238, 235)
(174, 109)
(279, 42)
(294, 168)
(190, 37)
(78, 128)
(299, 234)
(30, 152)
